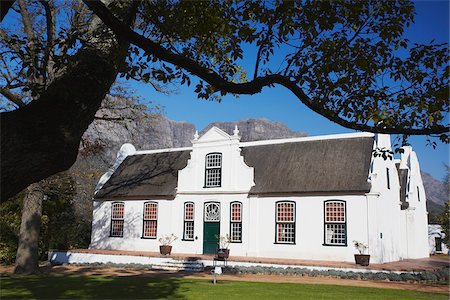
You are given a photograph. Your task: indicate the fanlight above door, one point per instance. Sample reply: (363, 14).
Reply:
(212, 212)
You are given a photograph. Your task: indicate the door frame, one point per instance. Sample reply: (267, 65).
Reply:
(210, 221)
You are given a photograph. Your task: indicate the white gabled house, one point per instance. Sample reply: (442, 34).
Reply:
(436, 240)
(304, 198)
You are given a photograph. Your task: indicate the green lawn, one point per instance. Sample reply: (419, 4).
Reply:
(102, 287)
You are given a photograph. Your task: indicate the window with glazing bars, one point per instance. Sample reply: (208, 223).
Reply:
(335, 223)
(236, 222)
(188, 221)
(213, 170)
(150, 226)
(285, 222)
(117, 219)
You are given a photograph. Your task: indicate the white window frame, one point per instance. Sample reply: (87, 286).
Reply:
(213, 170)
(236, 224)
(150, 220)
(287, 226)
(335, 229)
(117, 220)
(189, 226)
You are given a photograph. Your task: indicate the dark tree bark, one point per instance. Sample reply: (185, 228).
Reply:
(43, 138)
(27, 257)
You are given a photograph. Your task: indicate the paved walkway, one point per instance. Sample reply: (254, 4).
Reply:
(408, 265)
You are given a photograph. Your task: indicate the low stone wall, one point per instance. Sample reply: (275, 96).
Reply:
(424, 276)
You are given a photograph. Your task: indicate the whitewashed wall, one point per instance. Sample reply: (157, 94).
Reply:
(258, 226)
(416, 214)
(396, 234)
(384, 207)
(375, 218)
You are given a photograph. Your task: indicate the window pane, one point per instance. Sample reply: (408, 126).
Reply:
(214, 160)
(335, 234)
(117, 215)
(117, 228)
(117, 211)
(151, 211)
(213, 177)
(236, 212)
(285, 212)
(335, 212)
(236, 232)
(285, 232)
(150, 228)
(188, 230)
(189, 212)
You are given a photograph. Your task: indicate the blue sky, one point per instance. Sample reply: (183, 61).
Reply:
(278, 104)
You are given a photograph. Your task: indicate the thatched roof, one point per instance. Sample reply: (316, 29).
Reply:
(318, 166)
(321, 166)
(145, 175)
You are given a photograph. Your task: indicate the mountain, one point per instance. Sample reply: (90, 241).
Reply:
(256, 129)
(437, 194)
(436, 190)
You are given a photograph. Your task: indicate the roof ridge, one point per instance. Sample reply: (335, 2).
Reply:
(308, 139)
(163, 150)
(273, 141)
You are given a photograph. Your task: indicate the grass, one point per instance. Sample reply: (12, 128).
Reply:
(131, 287)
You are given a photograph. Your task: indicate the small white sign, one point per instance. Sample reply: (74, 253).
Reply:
(218, 270)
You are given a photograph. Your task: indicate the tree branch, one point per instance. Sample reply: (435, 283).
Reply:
(13, 45)
(28, 28)
(50, 20)
(251, 87)
(14, 98)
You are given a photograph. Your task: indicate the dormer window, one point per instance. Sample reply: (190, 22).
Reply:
(213, 170)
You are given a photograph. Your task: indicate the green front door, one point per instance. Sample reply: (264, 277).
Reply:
(210, 237)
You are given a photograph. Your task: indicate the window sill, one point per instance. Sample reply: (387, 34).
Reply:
(116, 236)
(148, 238)
(334, 245)
(279, 243)
(186, 240)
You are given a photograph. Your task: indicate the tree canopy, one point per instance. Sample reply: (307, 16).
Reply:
(346, 60)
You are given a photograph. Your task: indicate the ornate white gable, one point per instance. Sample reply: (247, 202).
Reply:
(215, 135)
(236, 176)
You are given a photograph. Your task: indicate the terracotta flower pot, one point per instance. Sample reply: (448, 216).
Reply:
(362, 259)
(165, 249)
(223, 253)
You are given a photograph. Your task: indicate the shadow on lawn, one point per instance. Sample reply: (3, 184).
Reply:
(92, 287)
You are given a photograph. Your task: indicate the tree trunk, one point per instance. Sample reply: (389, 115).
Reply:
(27, 257)
(42, 138)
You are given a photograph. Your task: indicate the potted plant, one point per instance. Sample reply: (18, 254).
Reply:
(224, 242)
(166, 241)
(361, 258)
